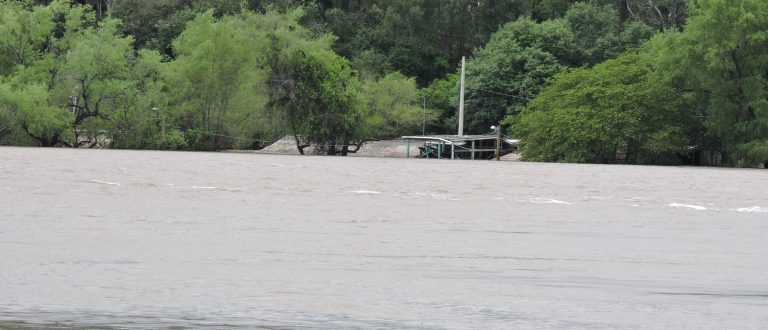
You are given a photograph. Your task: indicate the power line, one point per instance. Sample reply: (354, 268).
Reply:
(504, 94)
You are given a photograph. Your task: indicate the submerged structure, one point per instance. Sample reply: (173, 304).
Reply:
(486, 146)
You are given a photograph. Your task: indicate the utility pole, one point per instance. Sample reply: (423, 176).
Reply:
(461, 99)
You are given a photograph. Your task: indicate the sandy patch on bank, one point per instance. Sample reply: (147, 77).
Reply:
(382, 148)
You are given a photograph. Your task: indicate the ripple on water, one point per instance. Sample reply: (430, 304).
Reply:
(753, 209)
(689, 206)
(331, 248)
(366, 192)
(104, 182)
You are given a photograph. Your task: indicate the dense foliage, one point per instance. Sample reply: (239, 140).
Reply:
(722, 55)
(615, 112)
(709, 91)
(632, 81)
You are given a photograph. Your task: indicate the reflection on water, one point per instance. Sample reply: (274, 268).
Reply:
(146, 240)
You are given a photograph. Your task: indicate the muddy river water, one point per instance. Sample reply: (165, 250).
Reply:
(133, 239)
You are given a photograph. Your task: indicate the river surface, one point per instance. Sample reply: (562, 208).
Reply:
(134, 239)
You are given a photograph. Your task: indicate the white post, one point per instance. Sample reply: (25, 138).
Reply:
(461, 99)
(74, 106)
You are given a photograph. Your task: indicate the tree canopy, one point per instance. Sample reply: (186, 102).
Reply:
(708, 92)
(722, 56)
(515, 64)
(632, 81)
(618, 111)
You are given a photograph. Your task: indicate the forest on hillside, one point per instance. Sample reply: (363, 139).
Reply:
(596, 81)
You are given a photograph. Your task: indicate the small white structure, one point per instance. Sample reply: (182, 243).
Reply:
(486, 146)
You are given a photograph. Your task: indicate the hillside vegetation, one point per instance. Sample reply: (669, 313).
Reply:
(604, 81)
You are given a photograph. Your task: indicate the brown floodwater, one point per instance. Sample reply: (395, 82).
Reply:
(136, 239)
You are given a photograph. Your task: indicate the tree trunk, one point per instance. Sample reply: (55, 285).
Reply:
(662, 20)
(344, 149)
(47, 142)
(623, 9)
(299, 145)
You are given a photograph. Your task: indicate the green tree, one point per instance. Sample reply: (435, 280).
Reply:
(143, 20)
(423, 39)
(515, 64)
(396, 107)
(553, 36)
(213, 84)
(723, 55)
(590, 23)
(319, 101)
(97, 71)
(73, 71)
(26, 115)
(442, 95)
(315, 93)
(550, 9)
(617, 111)
(28, 107)
(156, 24)
(661, 14)
(143, 121)
(633, 35)
(22, 31)
(511, 68)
